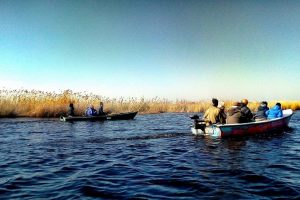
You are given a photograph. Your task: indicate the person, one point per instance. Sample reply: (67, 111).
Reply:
(234, 114)
(261, 111)
(246, 114)
(222, 114)
(71, 110)
(274, 112)
(91, 111)
(211, 115)
(101, 111)
(264, 103)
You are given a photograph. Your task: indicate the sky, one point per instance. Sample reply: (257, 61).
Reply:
(186, 49)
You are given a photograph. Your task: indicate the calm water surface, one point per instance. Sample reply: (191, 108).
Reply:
(151, 157)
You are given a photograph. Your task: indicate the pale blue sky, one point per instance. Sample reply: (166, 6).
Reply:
(171, 49)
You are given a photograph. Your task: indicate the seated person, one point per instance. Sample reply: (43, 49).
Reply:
(264, 103)
(71, 110)
(234, 114)
(91, 111)
(222, 114)
(245, 112)
(211, 115)
(275, 112)
(261, 112)
(101, 111)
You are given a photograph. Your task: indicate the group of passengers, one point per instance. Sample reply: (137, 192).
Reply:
(240, 113)
(90, 111)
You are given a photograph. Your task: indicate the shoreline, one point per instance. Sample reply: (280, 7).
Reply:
(45, 117)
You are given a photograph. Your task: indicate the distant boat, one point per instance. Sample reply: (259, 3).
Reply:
(118, 116)
(251, 128)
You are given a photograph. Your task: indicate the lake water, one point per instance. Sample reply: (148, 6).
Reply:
(151, 157)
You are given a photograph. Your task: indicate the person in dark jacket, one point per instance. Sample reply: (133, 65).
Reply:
(264, 103)
(261, 111)
(274, 112)
(234, 114)
(91, 111)
(222, 114)
(101, 111)
(245, 112)
(71, 110)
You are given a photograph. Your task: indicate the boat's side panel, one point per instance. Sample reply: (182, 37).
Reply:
(255, 128)
(251, 128)
(122, 116)
(71, 119)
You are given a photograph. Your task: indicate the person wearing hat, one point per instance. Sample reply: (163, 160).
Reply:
(275, 112)
(211, 115)
(245, 112)
(234, 114)
(261, 112)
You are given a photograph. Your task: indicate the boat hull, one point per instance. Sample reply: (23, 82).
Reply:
(119, 116)
(252, 128)
(122, 116)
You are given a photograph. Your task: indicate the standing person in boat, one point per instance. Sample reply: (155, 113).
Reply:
(101, 110)
(222, 114)
(91, 111)
(211, 115)
(274, 112)
(261, 111)
(234, 114)
(245, 112)
(71, 110)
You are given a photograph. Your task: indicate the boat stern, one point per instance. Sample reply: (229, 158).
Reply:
(210, 131)
(197, 131)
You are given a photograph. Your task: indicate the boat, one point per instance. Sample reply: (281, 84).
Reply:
(83, 118)
(117, 116)
(122, 116)
(241, 129)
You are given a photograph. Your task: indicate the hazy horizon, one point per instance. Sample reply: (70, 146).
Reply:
(192, 50)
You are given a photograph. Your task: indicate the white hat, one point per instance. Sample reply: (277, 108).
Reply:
(221, 104)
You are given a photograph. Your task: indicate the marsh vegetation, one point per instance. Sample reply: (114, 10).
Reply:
(33, 103)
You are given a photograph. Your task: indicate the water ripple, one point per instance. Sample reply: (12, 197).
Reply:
(151, 157)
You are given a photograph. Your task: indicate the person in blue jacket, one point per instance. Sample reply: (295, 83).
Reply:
(91, 111)
(275, 112)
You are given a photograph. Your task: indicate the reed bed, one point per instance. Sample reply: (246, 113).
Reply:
(33, 103)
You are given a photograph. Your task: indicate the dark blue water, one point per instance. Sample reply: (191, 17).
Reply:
(151, 157)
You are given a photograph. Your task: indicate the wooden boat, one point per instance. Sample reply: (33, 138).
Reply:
(251, 128)
(118, 116)
(83, 118)
(122, 116)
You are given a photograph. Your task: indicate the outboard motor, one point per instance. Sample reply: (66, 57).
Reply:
(194, 117)
(198, 124)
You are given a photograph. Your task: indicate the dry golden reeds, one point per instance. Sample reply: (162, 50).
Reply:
(33, 103)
